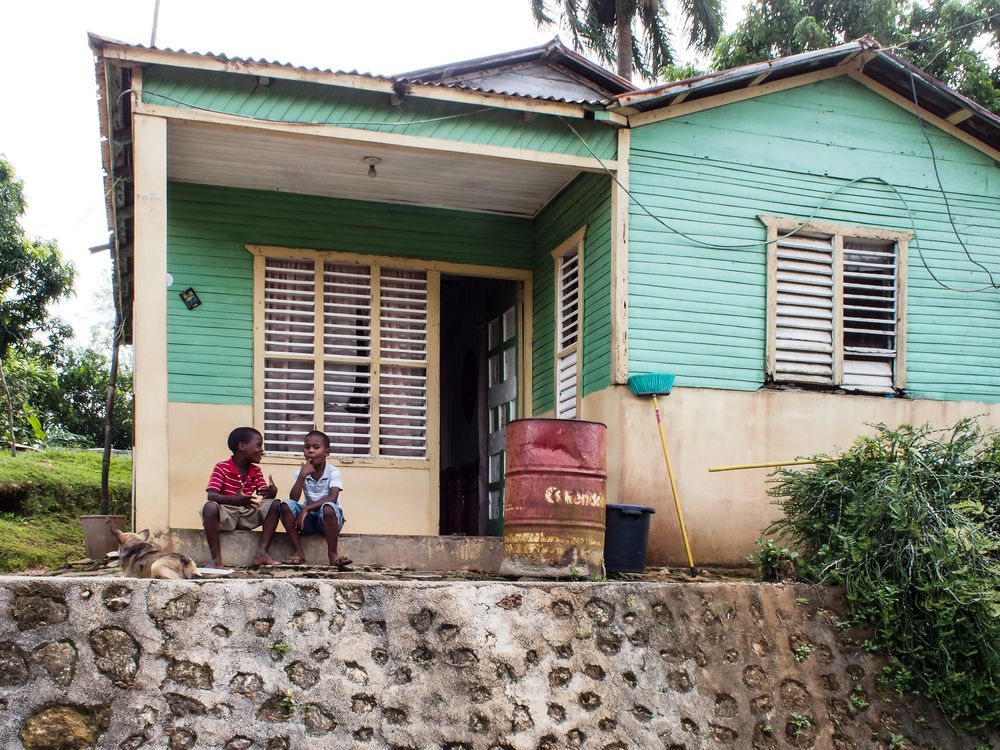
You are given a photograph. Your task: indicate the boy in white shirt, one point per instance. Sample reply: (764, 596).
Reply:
(319, 512)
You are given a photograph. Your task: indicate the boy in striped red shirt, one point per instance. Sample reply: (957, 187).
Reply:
(239, 498)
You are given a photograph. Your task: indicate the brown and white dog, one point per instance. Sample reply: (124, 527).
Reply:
(141, 558)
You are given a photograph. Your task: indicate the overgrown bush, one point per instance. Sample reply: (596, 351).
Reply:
(62, 483)
(908, 522)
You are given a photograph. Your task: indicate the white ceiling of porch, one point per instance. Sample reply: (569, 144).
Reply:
(235, 157)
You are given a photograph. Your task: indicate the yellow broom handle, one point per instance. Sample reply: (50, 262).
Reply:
(795, 462)
(673, 485)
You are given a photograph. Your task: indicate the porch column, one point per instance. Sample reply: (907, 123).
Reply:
(149, 324)
(619, 263)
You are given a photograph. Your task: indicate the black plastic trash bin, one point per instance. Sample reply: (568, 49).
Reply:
(626, 537)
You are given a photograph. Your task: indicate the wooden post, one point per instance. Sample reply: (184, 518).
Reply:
(151, 456)
(109, 409)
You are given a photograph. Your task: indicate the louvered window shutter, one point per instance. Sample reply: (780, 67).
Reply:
(869, 315)
(567, 333)
(289, 364)
(365, 337)
(402, 420)
(347, 346)
(804, 319)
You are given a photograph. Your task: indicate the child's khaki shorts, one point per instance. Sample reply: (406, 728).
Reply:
(232, 517)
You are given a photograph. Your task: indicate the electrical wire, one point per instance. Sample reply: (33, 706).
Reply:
(937, 176)
(816, 211)
(354, 123)
(940, 33)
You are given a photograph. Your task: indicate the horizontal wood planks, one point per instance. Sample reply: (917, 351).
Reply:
(210, 348)
(586, 201)
(297, 101)
(700, 311)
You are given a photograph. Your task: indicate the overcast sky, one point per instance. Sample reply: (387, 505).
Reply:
(49, 126)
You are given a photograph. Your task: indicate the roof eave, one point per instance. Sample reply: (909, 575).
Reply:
(139, 54)
(658, 96)
(554, 50)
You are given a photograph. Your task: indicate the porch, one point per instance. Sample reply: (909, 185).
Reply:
(423, 554)
(409, 314)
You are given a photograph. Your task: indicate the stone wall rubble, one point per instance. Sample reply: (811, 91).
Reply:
(296, 663)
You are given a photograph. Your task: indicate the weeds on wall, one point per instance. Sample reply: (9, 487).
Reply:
(908, 523)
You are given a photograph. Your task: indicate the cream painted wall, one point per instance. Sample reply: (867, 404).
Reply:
(725, 512)
(376, 500)
(198, 434)
(149, 322)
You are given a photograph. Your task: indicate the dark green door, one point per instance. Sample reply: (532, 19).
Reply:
(501, 403)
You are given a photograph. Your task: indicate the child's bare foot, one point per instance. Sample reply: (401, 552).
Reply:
(215, 562)
(295, 560)
(340, 561)
(263, 558)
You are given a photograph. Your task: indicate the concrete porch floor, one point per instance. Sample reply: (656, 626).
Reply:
(419, 553)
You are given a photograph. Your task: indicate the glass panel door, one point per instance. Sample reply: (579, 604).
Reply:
(501, 402)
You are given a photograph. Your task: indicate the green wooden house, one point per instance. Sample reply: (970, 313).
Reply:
(409, 262)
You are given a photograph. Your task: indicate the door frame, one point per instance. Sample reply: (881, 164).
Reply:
(438, 268)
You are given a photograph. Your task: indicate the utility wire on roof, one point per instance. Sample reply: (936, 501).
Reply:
(940, 33)
(944, 194)
(830, 196)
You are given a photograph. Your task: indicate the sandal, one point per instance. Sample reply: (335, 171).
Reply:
(341, 562)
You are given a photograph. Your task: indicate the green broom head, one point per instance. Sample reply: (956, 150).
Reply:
(655, 384)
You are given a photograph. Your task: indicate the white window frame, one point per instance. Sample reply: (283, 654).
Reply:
(777, 227)
(570, 246)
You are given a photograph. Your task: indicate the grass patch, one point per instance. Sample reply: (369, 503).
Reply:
(62, 482)
(28, 542)
(42, 496)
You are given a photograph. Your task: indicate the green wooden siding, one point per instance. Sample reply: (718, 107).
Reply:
(700, 312)
(296, 101)
(210, 349)
(587, 200)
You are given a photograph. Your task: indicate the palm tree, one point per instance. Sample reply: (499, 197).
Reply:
(607, 27)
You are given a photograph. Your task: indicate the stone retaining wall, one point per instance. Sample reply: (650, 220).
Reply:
(296, 663)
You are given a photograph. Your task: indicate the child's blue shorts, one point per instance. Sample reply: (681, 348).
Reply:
(314, 521)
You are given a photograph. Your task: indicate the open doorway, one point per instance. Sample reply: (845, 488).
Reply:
(479, 390)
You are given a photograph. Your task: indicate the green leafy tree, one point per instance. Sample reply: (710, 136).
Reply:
(943, 37)
(33, 275)
(60, 398)
(633, 35)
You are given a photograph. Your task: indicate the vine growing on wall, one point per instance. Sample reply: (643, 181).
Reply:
(908, 523)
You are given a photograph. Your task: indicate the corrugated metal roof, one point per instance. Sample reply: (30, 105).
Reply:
(880, 65)
(596, 85)
(529, 72)
(723, 81)
(97, 40)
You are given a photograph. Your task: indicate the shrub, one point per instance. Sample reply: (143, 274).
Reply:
(908, 522)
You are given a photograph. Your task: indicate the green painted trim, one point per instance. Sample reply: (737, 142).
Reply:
(321, 104)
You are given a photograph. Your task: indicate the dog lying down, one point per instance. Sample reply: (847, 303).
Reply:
(141, 558)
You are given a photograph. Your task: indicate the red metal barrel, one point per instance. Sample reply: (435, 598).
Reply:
(554, 497)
